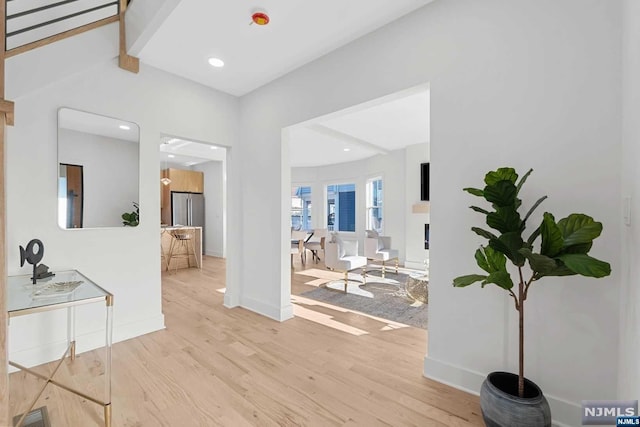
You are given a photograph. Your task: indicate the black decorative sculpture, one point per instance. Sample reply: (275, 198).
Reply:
(39, 271)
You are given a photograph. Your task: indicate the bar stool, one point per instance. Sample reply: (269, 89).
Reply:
(182, 239)
(163, 258)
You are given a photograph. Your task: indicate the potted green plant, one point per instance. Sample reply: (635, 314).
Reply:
(507, 399)
(131, 219)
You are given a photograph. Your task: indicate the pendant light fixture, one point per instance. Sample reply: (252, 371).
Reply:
(165, 180)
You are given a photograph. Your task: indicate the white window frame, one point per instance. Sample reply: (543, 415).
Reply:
(348, 181)
(298, 185)
(369, 204)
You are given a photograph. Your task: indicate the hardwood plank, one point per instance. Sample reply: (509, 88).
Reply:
(214, 366)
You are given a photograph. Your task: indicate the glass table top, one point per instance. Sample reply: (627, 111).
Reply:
(65, 288)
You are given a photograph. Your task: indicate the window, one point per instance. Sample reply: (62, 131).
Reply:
(374, 205)
(301, 208)
(341, 207)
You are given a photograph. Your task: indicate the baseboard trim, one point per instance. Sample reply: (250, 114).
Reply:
(416, 265)
(231, 300)
(452, 375)
(273, 312)
(564, 413)
(214, 254)
(86, 342)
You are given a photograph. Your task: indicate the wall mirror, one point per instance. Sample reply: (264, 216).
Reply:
(98, 170)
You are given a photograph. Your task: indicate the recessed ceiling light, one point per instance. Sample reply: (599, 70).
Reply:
(171, 156)
(213, 147)
(347, 149)
(124, 127)
(216, 62)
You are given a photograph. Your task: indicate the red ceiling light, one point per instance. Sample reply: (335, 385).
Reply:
(260, 18)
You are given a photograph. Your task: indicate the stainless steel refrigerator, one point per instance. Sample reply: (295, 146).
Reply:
(188, 209)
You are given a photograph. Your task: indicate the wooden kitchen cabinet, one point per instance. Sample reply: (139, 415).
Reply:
(186, 180)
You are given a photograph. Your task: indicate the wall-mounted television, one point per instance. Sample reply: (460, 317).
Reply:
(424, 181)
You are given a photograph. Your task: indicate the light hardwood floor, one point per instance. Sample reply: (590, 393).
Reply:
(214, 366)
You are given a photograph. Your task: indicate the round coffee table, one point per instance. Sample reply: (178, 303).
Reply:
(417, 288)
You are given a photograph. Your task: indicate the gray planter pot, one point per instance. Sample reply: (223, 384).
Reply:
(501, 406)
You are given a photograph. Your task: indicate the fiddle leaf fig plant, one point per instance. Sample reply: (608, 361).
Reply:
(563, 250)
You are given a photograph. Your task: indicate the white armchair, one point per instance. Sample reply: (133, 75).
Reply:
(378, 248)
(297, 245)
(342, 255)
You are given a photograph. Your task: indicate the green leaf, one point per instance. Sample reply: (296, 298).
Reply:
(477, 209)
(496, 260)
(483, 233)
(502, 174)
(578, 249)
(523, 180)
(514, 242)
(481, 260)
(510, 245)
(504, 219)
(539, 263)
(499, 246)
(533, 208)
(560, 270)
(500, 278)
(533, 237)
(578, 229)
(490, 260)
(585, 265)
(552, 240)
(462, 281)
(474, 191)
(502, 193)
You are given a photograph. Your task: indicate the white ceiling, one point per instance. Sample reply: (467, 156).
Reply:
(188, 153)
(255, 55)
(376, 128)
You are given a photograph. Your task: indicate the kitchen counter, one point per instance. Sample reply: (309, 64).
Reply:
(166, 234)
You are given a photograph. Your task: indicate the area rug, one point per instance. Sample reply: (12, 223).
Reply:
(385, 298)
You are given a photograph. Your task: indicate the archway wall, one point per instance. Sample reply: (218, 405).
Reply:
(511, 85)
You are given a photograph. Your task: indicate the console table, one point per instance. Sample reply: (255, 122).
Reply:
(67, 289)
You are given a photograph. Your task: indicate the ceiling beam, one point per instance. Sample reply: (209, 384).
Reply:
(349, 139)
(144, 19)
(126, 61)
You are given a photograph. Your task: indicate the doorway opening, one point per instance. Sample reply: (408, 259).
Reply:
(193, 203)
(359, 218)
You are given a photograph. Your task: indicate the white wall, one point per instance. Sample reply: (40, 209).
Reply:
(511, 84)
(123, 260)
(629, 371)
(110, 175)
(390, 167)
(414, 222)
(214, 209)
